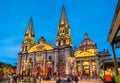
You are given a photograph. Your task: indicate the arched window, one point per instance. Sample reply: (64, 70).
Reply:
(61, 42)
(50, 58)
(30, 59)
(67, 41)
(22, 49)
(25, 48)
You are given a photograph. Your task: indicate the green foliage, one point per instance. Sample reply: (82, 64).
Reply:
(101, 74)
(117, 79)
(60, 64)
(6, 68)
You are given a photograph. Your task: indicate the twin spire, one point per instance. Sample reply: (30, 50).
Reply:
(30, 31)
(63, 22)
(29, 38)
(63, 19)
(63, 38)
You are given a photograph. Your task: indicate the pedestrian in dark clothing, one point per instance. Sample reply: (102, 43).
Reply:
(76, 79)
(69, 79)
(58, 81)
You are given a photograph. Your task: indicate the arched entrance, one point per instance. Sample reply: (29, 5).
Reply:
(86, 67)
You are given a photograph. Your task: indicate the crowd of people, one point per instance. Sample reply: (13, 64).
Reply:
(70, 79)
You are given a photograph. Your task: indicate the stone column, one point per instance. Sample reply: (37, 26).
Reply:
(90, 67)
(55, 60)
(67, 53)
(44, 59)
(19, 65)
(34, 63)
(97, 66)
(81, 66)
(75, 66)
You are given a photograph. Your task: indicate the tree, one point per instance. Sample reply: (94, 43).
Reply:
(6, 68)
(61, 65)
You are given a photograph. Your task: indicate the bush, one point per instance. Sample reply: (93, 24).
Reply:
(102, 74)
(117, 79)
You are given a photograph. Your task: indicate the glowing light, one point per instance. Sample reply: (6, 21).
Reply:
(41, 47)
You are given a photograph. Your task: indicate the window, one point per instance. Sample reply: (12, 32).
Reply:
(50, 58)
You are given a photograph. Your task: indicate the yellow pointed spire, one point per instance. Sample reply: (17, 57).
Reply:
(63, 36)
(30, 31)
(63, 19)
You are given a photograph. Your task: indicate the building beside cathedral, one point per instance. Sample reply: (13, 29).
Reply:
(43, 58)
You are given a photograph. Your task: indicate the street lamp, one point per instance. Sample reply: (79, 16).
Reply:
(71, 59)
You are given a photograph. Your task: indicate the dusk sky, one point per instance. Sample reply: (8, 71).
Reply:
(85, 16)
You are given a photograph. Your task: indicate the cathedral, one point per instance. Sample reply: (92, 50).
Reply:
(43, 58)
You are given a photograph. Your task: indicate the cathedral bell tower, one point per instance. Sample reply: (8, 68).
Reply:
(63, 38)
(29, 37)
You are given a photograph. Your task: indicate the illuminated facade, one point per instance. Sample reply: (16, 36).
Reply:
(42, 58)
(86, 61)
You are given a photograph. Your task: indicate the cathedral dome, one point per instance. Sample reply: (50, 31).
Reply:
(87, 48)
(41, 40)
(87, 43)
(41, 46)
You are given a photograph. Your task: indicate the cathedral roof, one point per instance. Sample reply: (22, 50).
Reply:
(87, 48)
(41, 40)
(87, 43)
(41, 46)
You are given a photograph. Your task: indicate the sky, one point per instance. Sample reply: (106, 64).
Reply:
(84, 16)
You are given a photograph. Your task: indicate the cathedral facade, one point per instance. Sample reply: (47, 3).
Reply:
(42, 58)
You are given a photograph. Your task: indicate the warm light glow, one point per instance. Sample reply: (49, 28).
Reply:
(84, 54)
(41, 47)
(57, 43)
(71, 59)
(49, 62)
(39, 58)
(86, 63)
(67, 41)
(93, 63)
(61, 42)
(67, 72)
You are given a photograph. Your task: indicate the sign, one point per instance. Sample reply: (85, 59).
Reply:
(39, 58)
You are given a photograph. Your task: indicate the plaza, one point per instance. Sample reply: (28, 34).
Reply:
(66, 47)
(27, 80)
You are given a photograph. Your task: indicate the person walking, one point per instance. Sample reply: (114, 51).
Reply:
(108, 76)
(76, 78)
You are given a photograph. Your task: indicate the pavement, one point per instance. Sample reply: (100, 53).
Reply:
(54, 81)
(80, 81)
